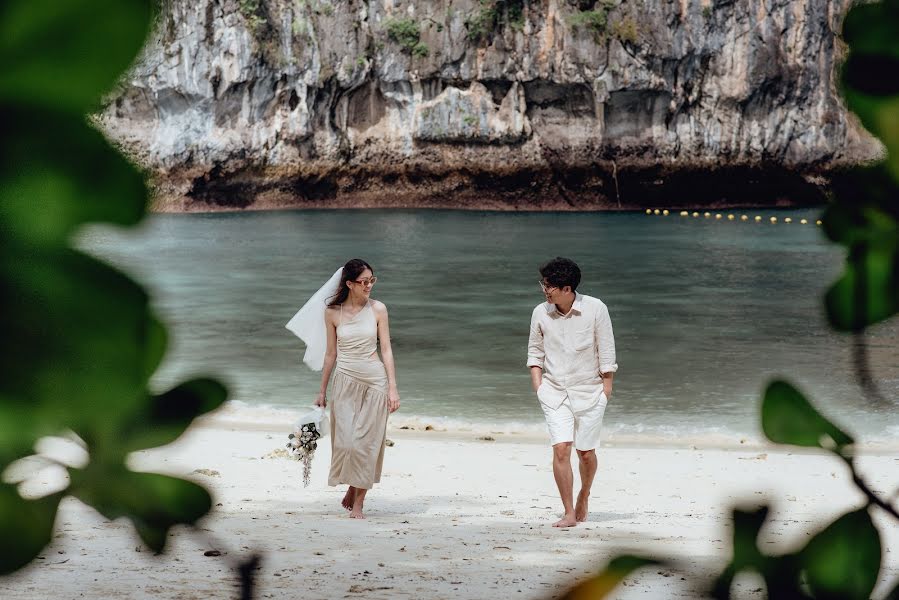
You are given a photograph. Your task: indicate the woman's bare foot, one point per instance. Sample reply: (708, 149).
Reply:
(358, 501)
(566, 521)
(349, 499)
(580, 509)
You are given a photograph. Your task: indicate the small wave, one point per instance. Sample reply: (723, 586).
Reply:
(891, 434)
(237, 414)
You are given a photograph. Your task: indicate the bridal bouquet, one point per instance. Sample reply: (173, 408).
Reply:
(303, 442)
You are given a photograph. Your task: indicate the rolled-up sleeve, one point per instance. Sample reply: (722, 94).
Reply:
(536, 354)
(605, 341)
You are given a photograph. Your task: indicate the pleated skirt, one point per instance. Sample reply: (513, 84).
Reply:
(358, 432)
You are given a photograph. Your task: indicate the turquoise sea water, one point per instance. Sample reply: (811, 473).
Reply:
(705, 311)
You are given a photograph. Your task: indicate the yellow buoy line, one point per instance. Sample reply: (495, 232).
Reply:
(729, 216)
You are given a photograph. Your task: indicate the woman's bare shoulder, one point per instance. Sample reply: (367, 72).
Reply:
(332, 313)
(378, 306)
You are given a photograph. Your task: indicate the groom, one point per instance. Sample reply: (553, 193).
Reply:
(571, 356)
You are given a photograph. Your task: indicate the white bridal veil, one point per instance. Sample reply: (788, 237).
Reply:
(309, 322)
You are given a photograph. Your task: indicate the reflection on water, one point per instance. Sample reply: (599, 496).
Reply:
(704, 311)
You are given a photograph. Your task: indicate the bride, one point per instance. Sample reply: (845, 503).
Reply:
(342, 327)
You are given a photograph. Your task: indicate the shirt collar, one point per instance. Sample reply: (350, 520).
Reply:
(576, 306)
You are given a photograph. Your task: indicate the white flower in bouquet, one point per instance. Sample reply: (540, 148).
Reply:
(302, 445)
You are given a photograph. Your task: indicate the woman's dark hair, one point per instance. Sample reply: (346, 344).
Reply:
(351, 270)
(561, 272)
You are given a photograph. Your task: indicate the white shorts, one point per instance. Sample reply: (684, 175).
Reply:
(580, 427)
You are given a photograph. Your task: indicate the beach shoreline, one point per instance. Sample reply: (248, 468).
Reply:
(439, 429)
(174, 205)
(451, 518)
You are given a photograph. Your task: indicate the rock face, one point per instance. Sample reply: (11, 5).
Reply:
(488, 103)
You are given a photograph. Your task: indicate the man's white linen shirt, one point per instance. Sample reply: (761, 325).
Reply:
(574, 350)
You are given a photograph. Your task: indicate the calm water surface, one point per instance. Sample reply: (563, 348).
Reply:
(705, 312)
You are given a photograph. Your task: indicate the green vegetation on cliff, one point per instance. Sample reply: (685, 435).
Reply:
(406, 33)
(493, 14)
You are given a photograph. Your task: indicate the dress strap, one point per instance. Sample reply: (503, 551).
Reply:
(340, 319)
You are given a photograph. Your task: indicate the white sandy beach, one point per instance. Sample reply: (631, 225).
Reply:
(454, 517)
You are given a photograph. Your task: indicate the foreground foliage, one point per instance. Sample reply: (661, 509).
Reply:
(78, 338)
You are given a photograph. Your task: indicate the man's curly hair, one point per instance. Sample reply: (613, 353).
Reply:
(561, 272)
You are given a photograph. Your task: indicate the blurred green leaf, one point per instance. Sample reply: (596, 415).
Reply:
(842, 561)
(56, 173)
(66, 53)
(156, 339)
(76, 351)
(864, 217)
(865, 212)
(18, 433)
(871, 28)
(78, 338)
(868, 290)
(788, 418)
(26, 527)
(618, 569)
(747, 525)
(864, 209)
(781, 573)
(153, 502)
(870, 85)
(169, 414)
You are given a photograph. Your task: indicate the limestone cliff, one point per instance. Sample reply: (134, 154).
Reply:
(488, 103)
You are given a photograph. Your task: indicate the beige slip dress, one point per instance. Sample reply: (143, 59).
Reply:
(358, 403)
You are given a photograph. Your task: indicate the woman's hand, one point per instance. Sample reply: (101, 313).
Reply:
(320, 400)
(393, 401)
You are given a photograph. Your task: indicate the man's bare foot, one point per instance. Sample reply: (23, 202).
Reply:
(356, 514)
(566, 521)
(349, 499)
(580, 509)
